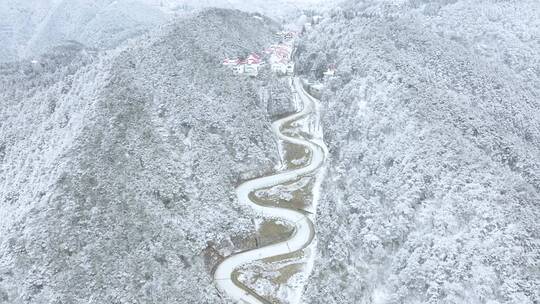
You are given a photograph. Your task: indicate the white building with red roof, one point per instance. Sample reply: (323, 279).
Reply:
(331, 71)
(254, 59)
(280, 59)
(231, 62)
(250, 66)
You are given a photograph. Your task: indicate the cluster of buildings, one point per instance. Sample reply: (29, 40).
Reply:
(279, 56)
(249, 66)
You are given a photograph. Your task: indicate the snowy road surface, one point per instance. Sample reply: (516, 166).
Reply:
(303, 226)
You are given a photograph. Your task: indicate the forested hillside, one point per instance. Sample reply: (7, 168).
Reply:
(117, 170)
(433, 124)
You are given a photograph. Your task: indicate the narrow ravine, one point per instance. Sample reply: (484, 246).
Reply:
(303, 233)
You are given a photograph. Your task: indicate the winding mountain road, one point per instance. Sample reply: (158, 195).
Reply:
(304, 231)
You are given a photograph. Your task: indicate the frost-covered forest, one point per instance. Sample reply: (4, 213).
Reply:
(123, 138)
(433, 124)
(118, 169)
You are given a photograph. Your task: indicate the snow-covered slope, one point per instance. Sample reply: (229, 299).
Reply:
(433, 124)
(37, 26)
(117, 171)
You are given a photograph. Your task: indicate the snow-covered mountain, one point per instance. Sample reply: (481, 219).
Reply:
(122, 139)
(34, 27)
(278, 9)
(30, 28)
(433, 124)
(117, 170)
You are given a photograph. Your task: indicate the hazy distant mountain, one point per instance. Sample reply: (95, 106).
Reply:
(278, 9)
(433, 123)
(33, 28)
(30, 28)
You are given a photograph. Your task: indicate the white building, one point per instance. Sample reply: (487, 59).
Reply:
(290, 68)
(251, 69)
(239, 69)
(250, 66)
(283, 68)
(331, 71)
(279, 68)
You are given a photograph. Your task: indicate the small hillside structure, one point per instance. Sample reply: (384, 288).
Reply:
(287, 35)
(279, 68)
(239, 69)
(331, 71)
(252, 69)
(290, 68)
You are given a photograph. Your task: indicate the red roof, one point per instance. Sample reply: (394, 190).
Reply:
(253, 59)
(231, 61)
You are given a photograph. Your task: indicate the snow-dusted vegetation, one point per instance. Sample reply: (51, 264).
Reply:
(117, 170)
(433, 124)
(123, 137)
